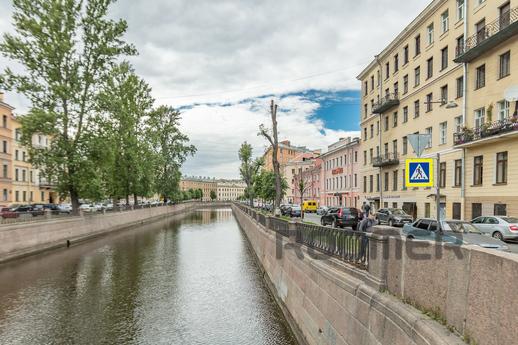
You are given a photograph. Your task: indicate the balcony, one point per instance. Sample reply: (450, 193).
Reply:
(390, 100)
(385, 160)
(488, 37)
(44, 183)
(488, 132)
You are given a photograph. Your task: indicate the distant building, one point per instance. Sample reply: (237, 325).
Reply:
(311, 177)
(226, 190)
(285, 153)
(296, 166)
(204, 183)
(230, 190)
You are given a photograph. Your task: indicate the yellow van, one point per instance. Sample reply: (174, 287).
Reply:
(310, 206)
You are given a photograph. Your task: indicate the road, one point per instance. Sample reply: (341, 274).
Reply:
(314, 218)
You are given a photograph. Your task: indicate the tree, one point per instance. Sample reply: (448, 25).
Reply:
(274, 142)
(200, 194)
(66, 49)
(170, 147)
(303, 185)
(125, 101)
(213, 195)
(249, 169)
(264, 186)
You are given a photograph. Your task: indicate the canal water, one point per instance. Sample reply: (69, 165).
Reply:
(191, 280)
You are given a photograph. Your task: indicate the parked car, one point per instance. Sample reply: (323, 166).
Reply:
(88, 208)
(340, 217)
(310, 206)
(500, 227)
(295, 211)
(393, 217)
(28, 209)
(285, 210)
(7, 212)
(108, 206)
(38, 209)
(65, 208)
(453, 231)
(322, 210)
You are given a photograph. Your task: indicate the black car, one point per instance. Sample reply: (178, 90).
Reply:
(28, 209)
(295, 211)
(393, 217)
(285, 210)
(340, 217)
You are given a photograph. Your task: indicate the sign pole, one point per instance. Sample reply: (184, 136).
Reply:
(438, 195)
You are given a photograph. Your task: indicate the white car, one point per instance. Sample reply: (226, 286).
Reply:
(88, 208)
(65, 208)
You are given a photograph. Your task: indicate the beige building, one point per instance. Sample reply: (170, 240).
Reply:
(296, 166)
(286, 152)
(6, 138)
(229, 190)
(204, 183)
(448, 69)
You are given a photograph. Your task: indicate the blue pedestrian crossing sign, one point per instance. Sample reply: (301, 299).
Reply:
(419, 172)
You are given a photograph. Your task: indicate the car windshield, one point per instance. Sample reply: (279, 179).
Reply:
(399, 212)
(462, 227)
(510, 220)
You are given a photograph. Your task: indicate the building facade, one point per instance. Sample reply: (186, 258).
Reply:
(285, 153)
(296, 167)
(441, 76)
(229, 190)
(311, 177)
(6, 130)
(340, 172)
(207, 185)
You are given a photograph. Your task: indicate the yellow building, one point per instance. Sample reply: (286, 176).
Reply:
(205, 184)
(229, 190)
(285, 153)
(448, 69)
(6, 112)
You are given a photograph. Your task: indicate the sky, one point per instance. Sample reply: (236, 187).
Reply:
(222, 62)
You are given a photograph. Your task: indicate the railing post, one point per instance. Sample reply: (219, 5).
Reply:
(378, 257)
(292, 231)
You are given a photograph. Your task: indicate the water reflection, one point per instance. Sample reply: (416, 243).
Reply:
(187, 281)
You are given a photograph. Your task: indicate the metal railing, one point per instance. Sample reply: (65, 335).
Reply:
(489, 30)
(347, 245)
(390, 158)
(280, 226)
(468, 135)
(261, 219)
(386, 102)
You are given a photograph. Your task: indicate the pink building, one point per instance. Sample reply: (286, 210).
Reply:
(311, 186)
(340, 174)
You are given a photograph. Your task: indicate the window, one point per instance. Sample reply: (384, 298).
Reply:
(394, 119)
(386, 187)
(500, 210)
(416, 109)
(503, 110)
(365, 88)
(4, 121)
(444, 94)
(460, 9)
(444, 58)
(365, 133)
(443, 132)
(480, 81)
(355, 156)
(355, 180)
(365, 110)
(371, 151)
(442, 175)
(429, 68)
(405, 145)
(458, 124)
(396, 63)
(364, 157)
(24, 193)
(405, 84)
(501, 167)
(386, 123)
(480, 28)
(426, 210)
(371, 182)
(24, 175)
(16, 174)
(476, 210)
(372, 82)
(403, 183)
(480, 117)
(16, 155)
(460, 87)
(372, 131)
(377, 182)
(456, 210)
(17, 196)
(429, 34)
(429, 131)
(457, 181)
(365, 184)
(445, 21)
(394, 180)
(4, 146)
(478, 169)
(405, 55)
(505, 65)
(417, 41)
(4, 195)
(405, 114)
(417, 76)
(429, 100)
(396, 88)
(42, 196)
(5, 173)
(394, 146)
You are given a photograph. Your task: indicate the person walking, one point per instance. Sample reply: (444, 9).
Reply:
(366, 210)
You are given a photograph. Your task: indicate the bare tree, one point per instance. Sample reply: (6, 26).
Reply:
(303, 183)
(274, 142)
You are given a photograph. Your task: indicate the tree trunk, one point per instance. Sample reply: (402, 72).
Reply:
(276, 165)
(74, 198)
(135, 201)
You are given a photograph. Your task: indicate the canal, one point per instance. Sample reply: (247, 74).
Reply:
(189, 280)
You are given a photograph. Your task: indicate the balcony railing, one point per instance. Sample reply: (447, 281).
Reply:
(388, 101)
(387, 159)
(488, 37)
(487, 130)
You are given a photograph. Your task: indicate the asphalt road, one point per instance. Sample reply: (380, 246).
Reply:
(314, 218)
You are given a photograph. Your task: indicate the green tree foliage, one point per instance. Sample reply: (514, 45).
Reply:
(125, 101)
(67, 48)
(264, 186)
(170, 149)
(213, 195)
(249, 169)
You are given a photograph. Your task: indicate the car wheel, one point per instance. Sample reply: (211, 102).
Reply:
(355, 227)
(391, 223)
(410, 237)
(498, 236)
(322, 222)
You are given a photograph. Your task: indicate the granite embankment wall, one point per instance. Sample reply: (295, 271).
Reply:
(327, 302)
(22, 239)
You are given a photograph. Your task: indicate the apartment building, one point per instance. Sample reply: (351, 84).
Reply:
(445, 71)
(206, 184)
(229, 190)
(293, 168)
(285, 153)
(6, 112)
(311, 179)
(340, 173)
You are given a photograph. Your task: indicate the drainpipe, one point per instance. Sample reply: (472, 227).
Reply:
(380, 90)
(464, 113)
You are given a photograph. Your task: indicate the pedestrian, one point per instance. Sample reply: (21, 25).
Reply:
(367, 223)
(366, 210)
